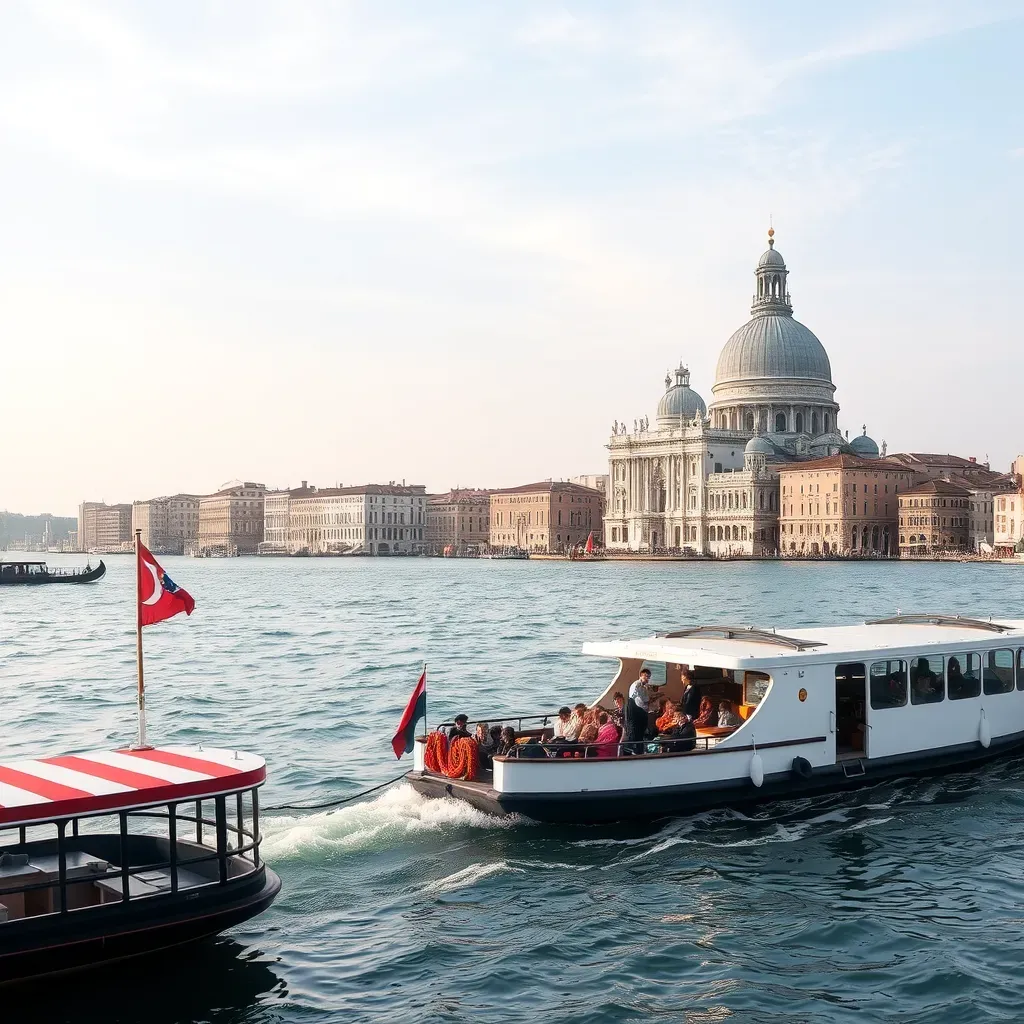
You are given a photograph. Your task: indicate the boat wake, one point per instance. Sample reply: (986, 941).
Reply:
(386, 820)
(469, 876)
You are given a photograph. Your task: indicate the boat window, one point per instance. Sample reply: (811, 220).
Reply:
(657, 670)
(998, 675)
(1020, 669)
(926, 679)
(755, 686)
(888, 684)
(963, 676)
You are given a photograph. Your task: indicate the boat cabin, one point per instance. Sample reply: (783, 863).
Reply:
(23, 569)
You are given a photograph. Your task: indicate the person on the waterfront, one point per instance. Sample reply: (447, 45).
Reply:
(459, 730)
(636, 711)
(727, 717)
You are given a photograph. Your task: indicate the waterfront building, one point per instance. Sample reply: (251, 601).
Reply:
(1008, 524)
(168, 524)
(982, 524)
(230, 521)
(375, 519)
(842, 505)
(459, 520)
(103, 527)
(934, 518)
(773, 383)
(596, 481)
(547, 517)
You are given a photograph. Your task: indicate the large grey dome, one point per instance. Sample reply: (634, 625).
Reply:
(773, 345)
(680, 401)
(771, 258)
(759, 446)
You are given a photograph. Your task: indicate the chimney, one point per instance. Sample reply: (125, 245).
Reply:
(972, 459)
(305, 484)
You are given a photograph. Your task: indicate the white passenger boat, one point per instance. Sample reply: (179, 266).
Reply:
(822, 708)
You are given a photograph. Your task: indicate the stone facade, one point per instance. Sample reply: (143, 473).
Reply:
(546, 517)
(843, 505)
(104, 527)
(1008, 521)
(935, 517)
(458, 521)
(385, 519)
(982, 536)
(230, 521)
(743, 509)
(169, 525)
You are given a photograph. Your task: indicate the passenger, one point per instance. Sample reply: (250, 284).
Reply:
(927, 688)
(495, 736)
(681, 735)
(459, 729)
(691, 698)
(607, 736)
(636, 711)
(561, 723)
(588, 734)
(507, 744)
(667, 717)
(955, 679)
(707, 715)
(576, 721)
(483, 737)
(727, 717)
(617, 713)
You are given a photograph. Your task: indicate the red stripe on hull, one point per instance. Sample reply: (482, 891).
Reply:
(107, 772)
(41, 787)
(192, 764)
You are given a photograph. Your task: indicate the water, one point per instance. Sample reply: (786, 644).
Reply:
(902, 903)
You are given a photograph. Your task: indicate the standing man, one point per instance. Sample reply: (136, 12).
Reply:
(690, 701)
(636, 711)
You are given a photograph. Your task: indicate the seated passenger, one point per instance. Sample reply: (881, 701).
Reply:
(958, 685)
(495, 736)
(576, 722)
(459, 730)
(507, 744)
(483, 737)
(618, 711)
(927, 687)
(667, 717)
(727, 717)
(707, 716)
(681, 736)
(608, 734)
(561, 723)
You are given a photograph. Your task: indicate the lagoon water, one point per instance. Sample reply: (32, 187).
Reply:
(902, 903)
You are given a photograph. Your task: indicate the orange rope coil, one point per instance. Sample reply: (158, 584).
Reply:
(461, 761)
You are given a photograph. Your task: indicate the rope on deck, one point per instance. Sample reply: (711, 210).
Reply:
(337, 803)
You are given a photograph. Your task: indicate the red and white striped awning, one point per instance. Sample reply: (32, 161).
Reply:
(118, 780)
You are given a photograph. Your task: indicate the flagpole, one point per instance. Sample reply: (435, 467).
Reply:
(141, 744)
(426, 731)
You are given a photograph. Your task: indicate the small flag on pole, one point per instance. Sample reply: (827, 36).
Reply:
(403, 740)
(159, 596)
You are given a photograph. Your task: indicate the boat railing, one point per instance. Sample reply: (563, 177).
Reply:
(544, 720)
(235, 845)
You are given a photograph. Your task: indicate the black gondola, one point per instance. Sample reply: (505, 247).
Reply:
(31, 573)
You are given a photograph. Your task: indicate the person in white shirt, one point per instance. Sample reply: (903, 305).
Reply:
(562, 724)
(637, 702)
(727, 717)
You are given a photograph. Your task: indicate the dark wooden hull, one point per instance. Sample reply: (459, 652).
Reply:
(86, 938)
(40, 578)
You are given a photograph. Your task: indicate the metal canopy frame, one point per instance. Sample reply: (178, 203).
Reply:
(941, 620)
(749, 633)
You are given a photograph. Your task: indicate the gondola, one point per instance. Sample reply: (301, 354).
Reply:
(12, 573)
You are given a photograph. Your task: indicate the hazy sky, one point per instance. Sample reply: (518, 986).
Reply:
(451, 242)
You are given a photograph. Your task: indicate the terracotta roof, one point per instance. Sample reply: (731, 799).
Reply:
(938, 487)
(929, 459)
(549, 485)
(458, 494)
(843, 461)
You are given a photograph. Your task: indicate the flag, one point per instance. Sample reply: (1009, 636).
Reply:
(159, 596)
(402, 741)
(590, 543)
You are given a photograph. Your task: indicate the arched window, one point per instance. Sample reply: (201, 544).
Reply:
(728, 533)
(853, 539)
(814, 424)
(874, 538)
(721, 534)
(826, 422)
(743, 499)
(780, 422)
(762, 499)
(799, 424)
(750, 423)
(743, 533)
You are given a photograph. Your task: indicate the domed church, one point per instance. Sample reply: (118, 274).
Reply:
(773, 402)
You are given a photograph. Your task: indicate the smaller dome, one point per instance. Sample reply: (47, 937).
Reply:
(758, 446)
(771, 258)
(680, 401)
(864, 446)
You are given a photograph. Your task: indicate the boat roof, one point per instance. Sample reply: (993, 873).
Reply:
(751, 648)
(119, 780)
(21, 561)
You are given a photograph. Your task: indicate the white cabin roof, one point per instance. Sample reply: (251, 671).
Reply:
(760, 650)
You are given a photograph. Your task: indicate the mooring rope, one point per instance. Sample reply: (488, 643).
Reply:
(336, 803)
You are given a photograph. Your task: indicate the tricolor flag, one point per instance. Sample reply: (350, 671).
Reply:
(159, 596)
(403, 740)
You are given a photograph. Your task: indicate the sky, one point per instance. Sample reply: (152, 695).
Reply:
(450, 243)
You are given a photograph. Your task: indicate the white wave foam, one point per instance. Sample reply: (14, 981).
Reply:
(391, 817)
(468, 876)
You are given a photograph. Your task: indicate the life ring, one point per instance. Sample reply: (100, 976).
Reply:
(802, 768)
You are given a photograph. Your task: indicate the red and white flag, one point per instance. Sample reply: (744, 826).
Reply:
(159, 596)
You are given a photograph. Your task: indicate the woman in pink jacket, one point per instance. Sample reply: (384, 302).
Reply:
(607, 744)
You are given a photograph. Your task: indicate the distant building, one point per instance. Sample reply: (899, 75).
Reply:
(550, 516)
(230, 521)
(170, 524)
(742, 516)
(982, 525)
(935, 517)
(1008, 525)
(842, 505)
(596, 481)
(104, 527)
(375, 519)
(459, 520)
